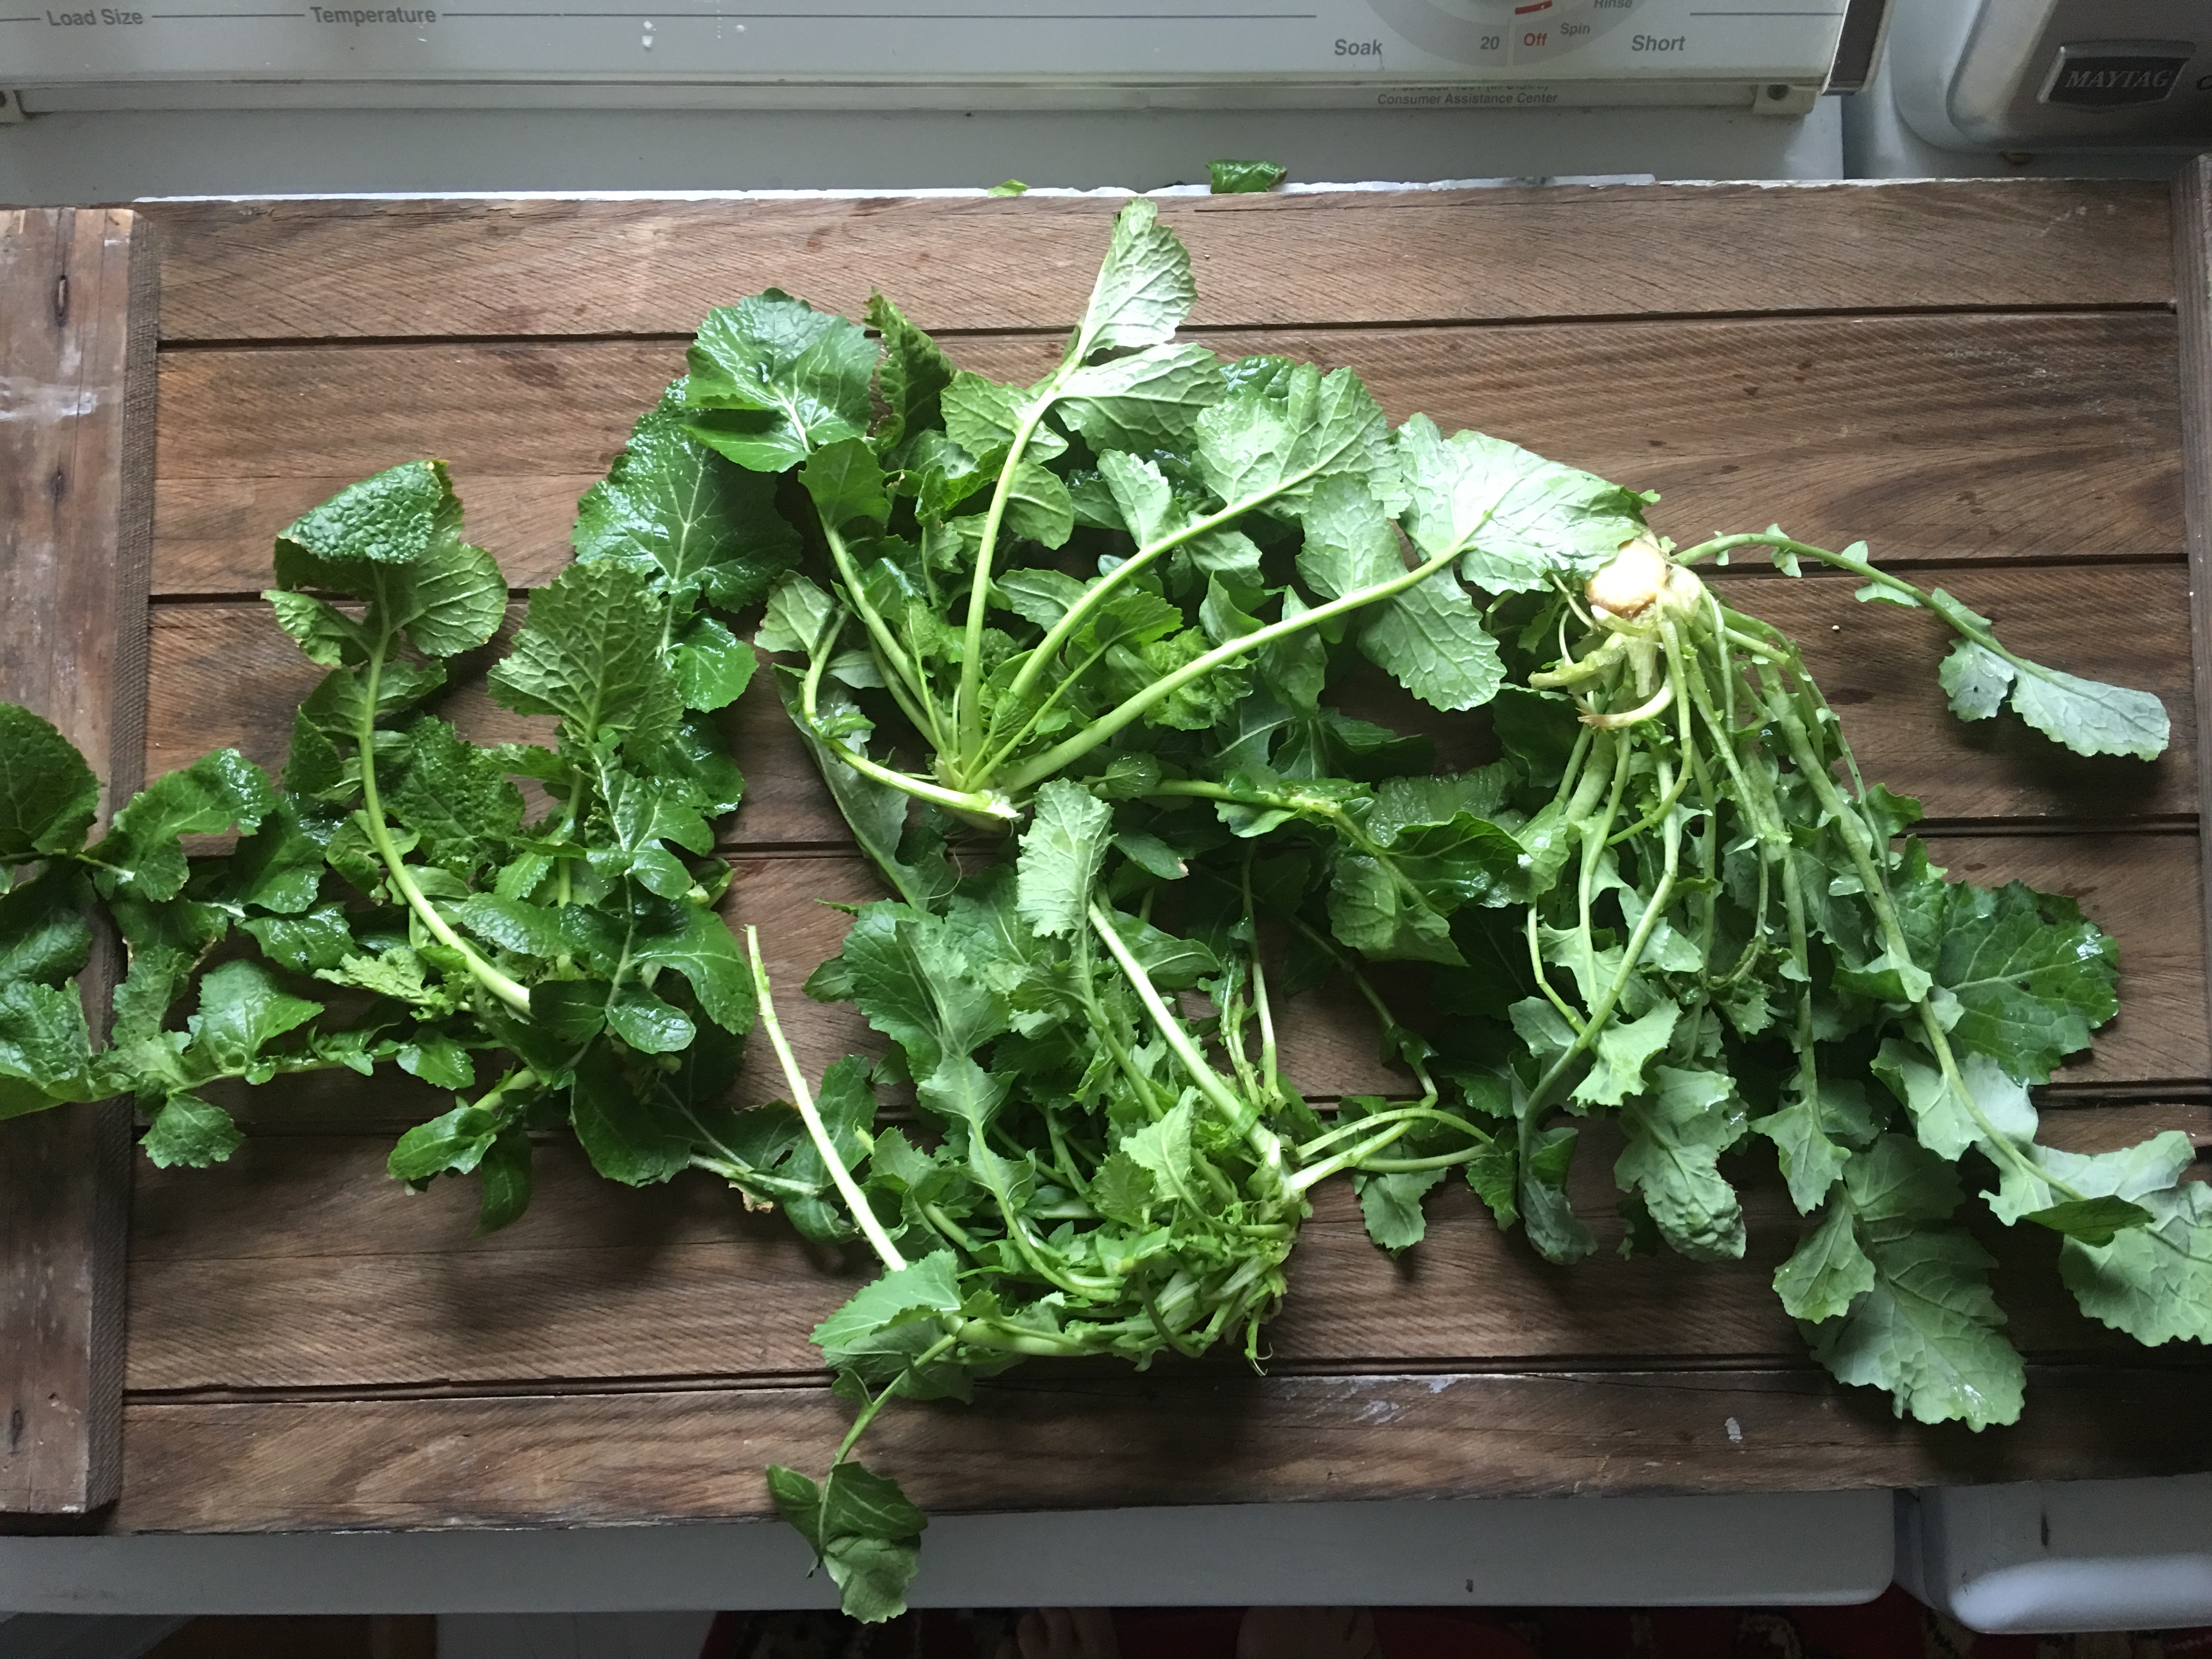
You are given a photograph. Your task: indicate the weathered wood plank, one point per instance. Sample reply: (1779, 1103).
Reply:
(323, 269)
(300, 1265)
(2192, 275)
(227, 676)
(1041, 1438)
(1929, 437)
(76, 385)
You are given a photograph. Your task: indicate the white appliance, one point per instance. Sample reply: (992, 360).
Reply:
(2028, 76)
(1772, 55)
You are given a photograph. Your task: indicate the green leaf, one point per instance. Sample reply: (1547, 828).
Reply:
(1623, 1049)
(1164, 1150)
(455, 797)
(325, 634)
(2091, 1220)
(2088, 717)
(243, 1008)
(503, 1176)
(695, 943)
(590, 653)
(864, 1531)
(454, 1143)
(921, 1289)
(167, 941)
(1375, 915)
(44, 1043)
(438, 1061)
(188, 1130)
(394, 540)
(1390, 1205)
(2032, 976)
(1928, 1330)
(1976, 679)
(646, 1023)
(1944, 1118)
(2155, 1282)
(571, 1011)
(914, 978)
(629, 1138)
(1810, 1161)
(772, 380)
(1828, 1270)
(207, 798)
(1518, 519)
(1244, 178)
(527, 930)
(876, 813)
(1063, 849)
(320, 939)
(982, 416)
(1146, 400)
(1038, 505)
(797, 615)
(846, 483)
(1554, 1228)
(2113, 1187)
(911, 376)
(1493, 1173)
(1144, 289)
(701, 528)
(1677, 1133)
(393, 518)
(451, 600)
(1429, 638)
(1270, 445)
(713, 666)
(43, 936)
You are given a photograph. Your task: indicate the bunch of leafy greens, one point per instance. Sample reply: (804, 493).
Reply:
(1108, 622)
(1120, 606)
(396, 900)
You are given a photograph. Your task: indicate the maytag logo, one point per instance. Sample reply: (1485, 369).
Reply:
(2111, 79)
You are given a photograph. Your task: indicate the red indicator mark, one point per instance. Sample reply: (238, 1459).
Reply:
(1541, 5)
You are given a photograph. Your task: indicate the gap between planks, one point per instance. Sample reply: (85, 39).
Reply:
(1192, 331)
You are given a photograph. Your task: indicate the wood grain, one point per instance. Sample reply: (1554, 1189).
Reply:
(1928, 437)
(1042, 1438)
(322, 270)
(77, 382)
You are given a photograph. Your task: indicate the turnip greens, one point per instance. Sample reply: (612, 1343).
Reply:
(1071, 658)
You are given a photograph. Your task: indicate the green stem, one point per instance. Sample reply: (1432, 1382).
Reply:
(1107, 724)
(902, 678)
(1092, 597)
(1859, 842)
(968, 701)
(1171, 1028)
(1405, 1113)
(510, 992)
(934, 1352)
(802, 1097)
(973, 802)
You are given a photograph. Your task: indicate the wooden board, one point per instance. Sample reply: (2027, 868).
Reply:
(1059, 1438)
(1979, 379)
(244, 270)
(2007, 436)
(76, 419)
